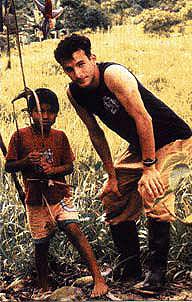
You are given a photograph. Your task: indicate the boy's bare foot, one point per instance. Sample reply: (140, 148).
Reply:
(100, 288)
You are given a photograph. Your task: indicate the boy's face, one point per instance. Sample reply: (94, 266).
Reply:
(48, 116)
(82, 69)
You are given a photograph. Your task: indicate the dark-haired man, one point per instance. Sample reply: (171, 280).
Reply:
(154, 132)
(44, 162)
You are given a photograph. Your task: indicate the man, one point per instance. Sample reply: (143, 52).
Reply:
(154, 132)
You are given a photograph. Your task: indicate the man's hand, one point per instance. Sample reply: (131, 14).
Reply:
(151, 185)
(110, 186)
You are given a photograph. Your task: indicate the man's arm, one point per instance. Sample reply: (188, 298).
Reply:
(123, 84)
(99, 142)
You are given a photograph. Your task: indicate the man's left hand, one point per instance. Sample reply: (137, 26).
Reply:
(151, 183)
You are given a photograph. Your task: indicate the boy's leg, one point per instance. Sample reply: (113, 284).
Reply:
(42, 229)
(41, 260)
(79, 240)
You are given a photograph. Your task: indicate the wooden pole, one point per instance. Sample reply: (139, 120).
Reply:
(1, 16)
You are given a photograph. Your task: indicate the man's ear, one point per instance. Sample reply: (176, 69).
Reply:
(93, 57)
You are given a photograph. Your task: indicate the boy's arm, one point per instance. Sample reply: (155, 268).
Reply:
(14, 165)
(65, 169)
(32, 159)
(13, 161)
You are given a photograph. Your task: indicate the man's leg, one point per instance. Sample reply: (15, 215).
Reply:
(79, 240)
(159, 218)
(125, 237)
(41, 260)
(159, 239)
(121, 213)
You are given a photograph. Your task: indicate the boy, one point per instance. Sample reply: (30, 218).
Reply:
(44, 160)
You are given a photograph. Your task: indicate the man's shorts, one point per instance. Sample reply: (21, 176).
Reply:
(43, 218)
(129, 170)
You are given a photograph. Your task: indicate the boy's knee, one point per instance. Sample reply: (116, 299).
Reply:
(72, 228)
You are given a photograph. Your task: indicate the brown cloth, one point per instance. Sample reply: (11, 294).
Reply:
(129, 170)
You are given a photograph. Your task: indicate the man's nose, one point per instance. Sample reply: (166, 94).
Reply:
(78, 73)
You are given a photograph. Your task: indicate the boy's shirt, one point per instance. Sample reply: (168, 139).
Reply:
(56, 151)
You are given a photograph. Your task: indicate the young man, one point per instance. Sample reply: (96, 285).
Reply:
(44, 160)
(139, 176)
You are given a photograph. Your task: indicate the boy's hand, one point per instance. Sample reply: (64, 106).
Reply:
(47, 168)
(34, 158)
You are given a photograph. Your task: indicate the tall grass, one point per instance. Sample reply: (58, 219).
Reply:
(162, 64)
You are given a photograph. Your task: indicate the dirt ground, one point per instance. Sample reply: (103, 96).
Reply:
(22, 289)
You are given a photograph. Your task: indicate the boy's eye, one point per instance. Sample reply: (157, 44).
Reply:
(47, 111)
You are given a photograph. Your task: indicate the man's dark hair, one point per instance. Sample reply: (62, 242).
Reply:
(69, 45)
(46, 96)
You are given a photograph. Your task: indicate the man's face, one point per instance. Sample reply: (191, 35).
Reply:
(82, 70)
(48, 116)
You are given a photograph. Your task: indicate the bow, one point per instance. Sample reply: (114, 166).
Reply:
(25, 94)
(13, 175)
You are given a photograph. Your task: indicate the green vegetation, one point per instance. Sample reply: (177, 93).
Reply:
(162, 64)
(159, 16)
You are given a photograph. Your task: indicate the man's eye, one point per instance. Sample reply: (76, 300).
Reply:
(68, 69)
(81, 64)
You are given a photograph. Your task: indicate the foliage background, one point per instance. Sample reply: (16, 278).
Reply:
(163, 64)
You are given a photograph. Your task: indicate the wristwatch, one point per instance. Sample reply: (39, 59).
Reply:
(149, 162)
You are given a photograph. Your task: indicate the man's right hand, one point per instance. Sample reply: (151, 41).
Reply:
(110, 186)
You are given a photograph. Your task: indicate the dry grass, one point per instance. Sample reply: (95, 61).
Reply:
(162, 64)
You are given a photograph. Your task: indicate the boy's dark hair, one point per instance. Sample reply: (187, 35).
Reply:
(69, 45)
(46, 96)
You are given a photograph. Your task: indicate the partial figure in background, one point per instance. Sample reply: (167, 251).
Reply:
(49, 14)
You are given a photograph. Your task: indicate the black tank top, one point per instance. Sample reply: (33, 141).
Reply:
(167, 126)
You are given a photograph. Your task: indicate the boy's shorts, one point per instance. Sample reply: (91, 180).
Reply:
(43, 218)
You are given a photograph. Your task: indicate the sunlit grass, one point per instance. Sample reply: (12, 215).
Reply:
(162, 64)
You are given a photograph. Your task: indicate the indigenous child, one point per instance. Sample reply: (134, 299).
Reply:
(44, 160)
